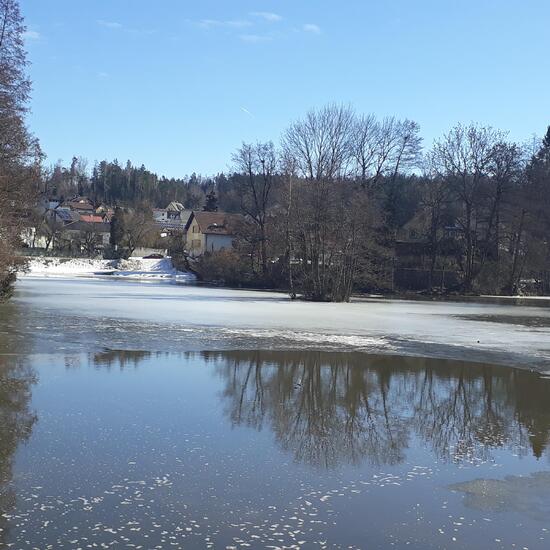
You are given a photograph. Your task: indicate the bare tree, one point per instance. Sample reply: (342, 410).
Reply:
(337, 159)
(435, 197)
(320, 151)
(383, 148)
(257, 165)
(464, 158)
(138, 229)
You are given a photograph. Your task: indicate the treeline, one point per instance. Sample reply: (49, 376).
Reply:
(347, 201)
(111, 183)
(115, 184)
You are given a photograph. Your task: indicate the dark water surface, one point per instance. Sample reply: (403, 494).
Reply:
(271, 449)
(144, 446)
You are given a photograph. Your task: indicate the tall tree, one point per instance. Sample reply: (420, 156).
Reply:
(257, 166)
(318, 148)
(464, 158)
(211, 204)
(118, 228)
(19, 151)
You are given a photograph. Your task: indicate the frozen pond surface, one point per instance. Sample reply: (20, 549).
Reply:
(164, 317)
(164, 416)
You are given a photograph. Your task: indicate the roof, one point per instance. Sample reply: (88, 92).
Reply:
(175, 206)
(91, 218)
(78, 205)
(216, 223)
(184, 216)
(66, 215)
(87, 227)
(172, 224)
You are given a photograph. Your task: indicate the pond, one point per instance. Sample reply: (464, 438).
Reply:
(185, 438)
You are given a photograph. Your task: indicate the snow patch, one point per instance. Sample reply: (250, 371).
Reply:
(134, 268)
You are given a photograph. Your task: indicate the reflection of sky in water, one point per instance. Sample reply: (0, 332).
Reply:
(281, 449)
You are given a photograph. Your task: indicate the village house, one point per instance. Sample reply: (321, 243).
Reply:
(172, 219)
(160, 215)
(175, 212)
(87, 235)
(82, 205)
(74, 226)
(211, 232)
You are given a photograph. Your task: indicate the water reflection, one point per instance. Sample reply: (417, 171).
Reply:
(16, 423)
(122, 359)
(134, 446)
(330, 408)
(16, 418)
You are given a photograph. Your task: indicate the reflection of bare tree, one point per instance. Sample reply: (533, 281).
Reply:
(323, 412)
(119, 358)
(533, 411)
(332, 408)
(16, 419)
(458, 412)
(16, 423)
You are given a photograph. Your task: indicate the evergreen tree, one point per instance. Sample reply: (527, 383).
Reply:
(211, 202)
(117, 228)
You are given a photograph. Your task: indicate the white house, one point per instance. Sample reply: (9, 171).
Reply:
(210, 232)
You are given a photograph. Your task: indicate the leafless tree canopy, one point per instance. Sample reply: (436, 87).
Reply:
(383, 148)
(335, 158)
(258, 168)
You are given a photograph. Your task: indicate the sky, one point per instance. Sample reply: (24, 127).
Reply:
(178, 85)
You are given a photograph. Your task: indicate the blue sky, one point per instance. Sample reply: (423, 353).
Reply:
(178, 85)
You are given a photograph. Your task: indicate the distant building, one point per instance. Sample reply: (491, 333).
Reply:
(172, 218)
(79, 204)
(160, 214)
(65, 215)
(211, 232)
(91, 218)
(174, 209)
(413, 256)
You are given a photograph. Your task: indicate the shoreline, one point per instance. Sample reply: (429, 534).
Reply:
(185, 278)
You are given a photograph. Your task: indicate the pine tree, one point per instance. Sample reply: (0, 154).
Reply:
(117, 228)
(211, 202)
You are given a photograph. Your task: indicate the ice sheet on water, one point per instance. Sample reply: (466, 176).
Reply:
(193, 317)
(528, 495)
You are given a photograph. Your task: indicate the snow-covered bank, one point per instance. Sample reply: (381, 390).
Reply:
(134, 268)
